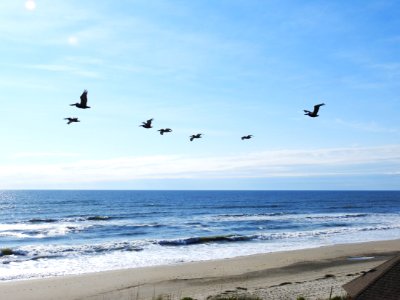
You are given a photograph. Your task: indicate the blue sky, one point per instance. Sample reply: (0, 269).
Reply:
(218, 67)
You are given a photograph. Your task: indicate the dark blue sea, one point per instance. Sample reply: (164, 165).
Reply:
(52, 233)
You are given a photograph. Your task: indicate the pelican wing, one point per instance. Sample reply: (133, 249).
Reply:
(84, 98)
(316, 108)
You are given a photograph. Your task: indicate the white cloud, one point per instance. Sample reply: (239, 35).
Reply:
(353, 161)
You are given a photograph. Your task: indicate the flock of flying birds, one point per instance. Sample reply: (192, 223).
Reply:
(148, 123)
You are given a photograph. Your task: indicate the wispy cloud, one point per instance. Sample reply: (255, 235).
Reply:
(63, 68)
(43, 154)
(353, 161)
(46, 22)
(369, 126)
(387, 66)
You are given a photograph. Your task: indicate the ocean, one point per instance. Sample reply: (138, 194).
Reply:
(53, 233)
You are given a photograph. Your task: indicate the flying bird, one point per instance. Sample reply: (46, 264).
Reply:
(147, 124)
(71, 120)
(195, 136)
(83, 103)
(247, 137)
(162, 131)
(314, 113)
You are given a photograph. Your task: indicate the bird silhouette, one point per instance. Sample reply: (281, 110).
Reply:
(83, 103)
(71, 120)
(147, 124)
(314, 113)
(195, 136)
(162, 131)
(247, 137)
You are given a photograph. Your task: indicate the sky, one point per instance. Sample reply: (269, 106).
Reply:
(223, 68)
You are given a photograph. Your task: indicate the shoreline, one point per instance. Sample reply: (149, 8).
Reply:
(262, 274)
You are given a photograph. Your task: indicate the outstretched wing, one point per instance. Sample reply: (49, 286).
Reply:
(84, 98)
(191, 138)
(316, 108)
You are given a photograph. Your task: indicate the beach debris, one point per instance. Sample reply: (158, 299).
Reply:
(71, 120)
(195, 136)
(6, 251)
(83, 103)
(246, 137)
(314, 113)
(162, 130)
(147, 124)
(233, 295)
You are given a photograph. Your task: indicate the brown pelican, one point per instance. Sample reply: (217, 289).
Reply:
(147, 124)
(314, 113)
(195, 136)
(83, 103)
(162, 131)
(247, 137)
(71, 120)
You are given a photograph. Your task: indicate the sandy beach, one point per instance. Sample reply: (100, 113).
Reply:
(281, 275)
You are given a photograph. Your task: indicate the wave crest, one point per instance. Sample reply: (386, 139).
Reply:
(205, 240)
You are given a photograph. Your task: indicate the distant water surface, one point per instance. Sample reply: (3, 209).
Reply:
(51, 233)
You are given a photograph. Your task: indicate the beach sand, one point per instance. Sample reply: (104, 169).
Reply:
(280, 275)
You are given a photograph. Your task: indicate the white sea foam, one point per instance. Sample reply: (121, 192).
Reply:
(55, 260)
(27, 230)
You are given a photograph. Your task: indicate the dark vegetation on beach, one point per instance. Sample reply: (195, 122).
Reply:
(334, 298)
(241, 296)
